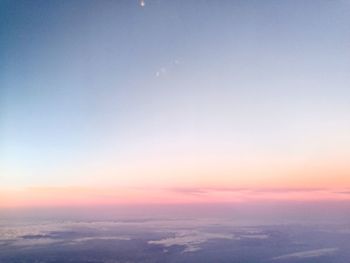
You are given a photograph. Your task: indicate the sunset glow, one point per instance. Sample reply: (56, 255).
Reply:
(126, 103)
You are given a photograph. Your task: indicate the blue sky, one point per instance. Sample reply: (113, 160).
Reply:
(108, 82)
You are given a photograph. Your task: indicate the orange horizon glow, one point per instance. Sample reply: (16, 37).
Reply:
(78, 196)
(197, 181)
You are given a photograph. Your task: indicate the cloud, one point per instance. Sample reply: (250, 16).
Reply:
(308, 254)
(190, 239)
(256, 236)
(189, 190)
(232, 194)
(204, 190)
(34, 242)
(344, 192)
(85, 239)
(68, 232)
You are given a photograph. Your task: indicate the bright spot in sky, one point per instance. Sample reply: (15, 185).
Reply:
(161, 71)
(142, 3)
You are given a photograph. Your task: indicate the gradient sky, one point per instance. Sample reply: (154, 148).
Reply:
(174, 101)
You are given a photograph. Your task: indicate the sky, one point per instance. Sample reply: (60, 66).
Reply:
(159, 101)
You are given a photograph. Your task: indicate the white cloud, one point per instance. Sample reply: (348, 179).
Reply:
(308, 254)
(34, 242)
(41, 234)
(190, 239)
(84, 239)
(255, 236)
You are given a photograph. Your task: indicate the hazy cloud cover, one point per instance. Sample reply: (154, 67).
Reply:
(190, 233)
